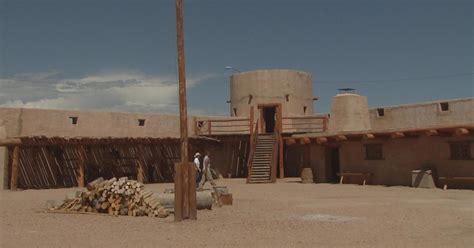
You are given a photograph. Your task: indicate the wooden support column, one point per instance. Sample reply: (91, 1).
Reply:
(281, 143)
(185, 191)
(15, 165)
(185, 186)
(140, 164)
(209, 127)
(251, 121)
(282, 161)
(81, 162)
(306, 157)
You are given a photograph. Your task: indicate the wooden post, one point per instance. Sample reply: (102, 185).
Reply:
(140, 164)
(192, 192)
(178, 192)
(281, 143)
(15, 164)
(196, 129)
(251, 121)
(182, 189)
(82, 164)
(209, 127)
(325, 124)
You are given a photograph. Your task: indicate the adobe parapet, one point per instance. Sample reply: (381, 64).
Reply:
(292, 89)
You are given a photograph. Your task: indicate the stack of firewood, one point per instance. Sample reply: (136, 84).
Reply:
(115, 197)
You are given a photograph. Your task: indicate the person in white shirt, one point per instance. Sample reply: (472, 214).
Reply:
(197, 163)
(206, 171)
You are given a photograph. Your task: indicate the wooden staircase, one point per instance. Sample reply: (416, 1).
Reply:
(263, 159)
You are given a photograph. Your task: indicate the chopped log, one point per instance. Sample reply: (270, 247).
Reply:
(93, 184)
(203, 200)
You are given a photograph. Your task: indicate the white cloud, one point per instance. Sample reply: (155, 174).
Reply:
(111, 91)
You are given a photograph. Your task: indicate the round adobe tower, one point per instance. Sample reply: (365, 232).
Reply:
(292, 89)
(349, 112)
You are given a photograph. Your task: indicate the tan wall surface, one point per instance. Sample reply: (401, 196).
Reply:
(349, 112)
(461, 111)
(271, 86)
(36, 122)
(401, 156)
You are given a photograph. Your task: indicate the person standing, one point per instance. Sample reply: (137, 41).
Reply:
(206, 171)
(197, 164)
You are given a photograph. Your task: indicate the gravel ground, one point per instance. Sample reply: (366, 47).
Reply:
(285, 214)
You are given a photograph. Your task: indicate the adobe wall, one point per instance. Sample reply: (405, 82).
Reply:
(401, 156)
(271, 86)
(461, 111)
(35, 122)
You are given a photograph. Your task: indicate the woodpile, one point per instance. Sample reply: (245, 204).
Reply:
(115, 197)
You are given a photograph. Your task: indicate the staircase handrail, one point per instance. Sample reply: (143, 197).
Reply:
(275, 156)
(253, 146)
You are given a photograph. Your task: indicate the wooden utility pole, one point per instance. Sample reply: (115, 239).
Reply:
(185, 174)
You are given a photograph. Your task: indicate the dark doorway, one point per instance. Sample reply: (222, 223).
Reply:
(332, 162)
(269, 117)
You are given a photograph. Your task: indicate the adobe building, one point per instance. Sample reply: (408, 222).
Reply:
(272, 131)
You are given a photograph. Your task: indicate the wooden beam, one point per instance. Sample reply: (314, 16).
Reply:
(461, 132)
(431, 132)
(15, 165)
(10, 142)
(305, 141)
(321, 140)
(290, 141)
(368, 136)
(397, 135)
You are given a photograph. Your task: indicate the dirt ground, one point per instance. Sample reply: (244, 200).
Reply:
(285, 214)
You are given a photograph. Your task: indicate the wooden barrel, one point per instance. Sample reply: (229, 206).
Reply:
(307, 175)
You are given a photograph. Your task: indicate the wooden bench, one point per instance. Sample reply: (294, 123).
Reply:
(447, 179)
(365, 176)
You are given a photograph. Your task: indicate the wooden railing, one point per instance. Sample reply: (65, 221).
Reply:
(304, 124)
(222, 126)
(274, 163)
(253, 146)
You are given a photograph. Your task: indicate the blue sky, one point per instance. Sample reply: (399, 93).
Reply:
(120, 55)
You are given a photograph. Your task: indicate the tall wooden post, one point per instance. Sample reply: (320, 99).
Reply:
(281, 143)
(15, 164)
(185, 189)
(140, 164)
(251, 121)
(82, 165)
